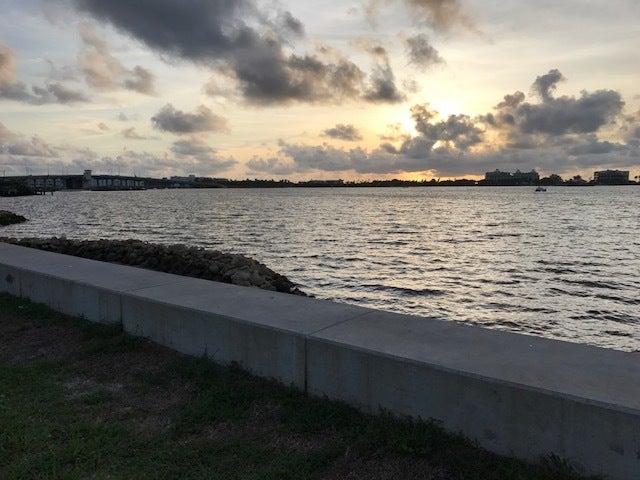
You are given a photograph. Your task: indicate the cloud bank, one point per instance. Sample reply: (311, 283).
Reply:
(552, 134)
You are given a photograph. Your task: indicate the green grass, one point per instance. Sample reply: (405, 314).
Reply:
(226, 424)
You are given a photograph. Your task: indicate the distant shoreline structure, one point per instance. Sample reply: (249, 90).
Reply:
(40, 184)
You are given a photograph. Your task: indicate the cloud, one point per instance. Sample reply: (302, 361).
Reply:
(13, 89)
(343, 132)
(10, 87)
(546, 84)
(382, 87)
(272, 166)
(169, 119)
(457, 131)
(131, 134)
(16, 145)
(105, 72)
(441, 15)
(58, 93)
(123, 117)
(6, 135)
(630, 129)
(421, 52)
(141, 80)
(555, 116)
(196, 155)
(245, 41)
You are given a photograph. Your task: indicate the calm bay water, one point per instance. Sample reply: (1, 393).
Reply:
(561, 264)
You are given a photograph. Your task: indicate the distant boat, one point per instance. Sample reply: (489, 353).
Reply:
(541, 189)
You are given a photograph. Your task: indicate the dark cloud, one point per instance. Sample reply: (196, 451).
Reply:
(248, 44)
(383, 88)
(546, 84)
(348, 133)
(105, 72)
(457, 131)
(590, 145)
(198, 30)
(555, 116)
(169, 119)
(585, 114)
(630, 129)
(58, 93)
(267, 76)
(13, 89)
(421, 52)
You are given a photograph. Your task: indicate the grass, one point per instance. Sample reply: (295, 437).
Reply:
(80, 400)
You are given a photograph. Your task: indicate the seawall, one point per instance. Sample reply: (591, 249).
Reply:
(515, 394)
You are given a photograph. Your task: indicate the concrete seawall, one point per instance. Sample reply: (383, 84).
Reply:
(515, 394)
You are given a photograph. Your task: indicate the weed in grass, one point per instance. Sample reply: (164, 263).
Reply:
(308, 416)
(92, 330)
(97, 397)
(109, 339)
(25, 309)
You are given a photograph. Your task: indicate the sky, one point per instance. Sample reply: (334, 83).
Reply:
(355, 89)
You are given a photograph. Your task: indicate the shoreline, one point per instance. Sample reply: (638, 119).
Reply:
(178, 259)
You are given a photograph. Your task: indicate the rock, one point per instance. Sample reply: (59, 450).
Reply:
(178, 259)
(9, 218)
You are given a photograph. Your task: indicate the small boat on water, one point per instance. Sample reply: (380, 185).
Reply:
(541, 189)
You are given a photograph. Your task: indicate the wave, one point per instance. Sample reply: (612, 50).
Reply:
(593, 284)
(413, 292)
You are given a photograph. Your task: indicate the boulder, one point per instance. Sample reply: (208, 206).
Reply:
(9, 218)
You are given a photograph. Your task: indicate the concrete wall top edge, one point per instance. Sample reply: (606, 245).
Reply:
(604, 376)
(273, 310)
(107, 276)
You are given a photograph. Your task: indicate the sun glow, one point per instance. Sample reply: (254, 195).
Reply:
(446, 107)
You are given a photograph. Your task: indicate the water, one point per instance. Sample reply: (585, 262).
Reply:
(561, 264)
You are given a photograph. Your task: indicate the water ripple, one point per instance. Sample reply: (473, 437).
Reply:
(564, 265)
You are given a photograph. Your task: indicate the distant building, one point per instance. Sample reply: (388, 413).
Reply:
(611, 177)
(497, 177)
(189, 179)
(507, 178)
(525, 177)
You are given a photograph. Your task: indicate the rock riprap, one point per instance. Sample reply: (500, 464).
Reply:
(9, 218)
(178, 259)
